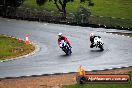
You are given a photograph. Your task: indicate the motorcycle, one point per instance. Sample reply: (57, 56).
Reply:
(98, 43)
(65, 47)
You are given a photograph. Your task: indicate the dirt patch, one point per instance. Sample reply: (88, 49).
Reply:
(52, 81)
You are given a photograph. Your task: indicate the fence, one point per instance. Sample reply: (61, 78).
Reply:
(56, 17)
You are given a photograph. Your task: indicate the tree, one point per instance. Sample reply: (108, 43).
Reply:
(61, 6)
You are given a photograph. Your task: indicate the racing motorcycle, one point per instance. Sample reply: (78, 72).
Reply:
(98, 43)
(65, 47)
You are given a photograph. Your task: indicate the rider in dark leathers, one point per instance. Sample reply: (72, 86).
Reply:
(92, 36)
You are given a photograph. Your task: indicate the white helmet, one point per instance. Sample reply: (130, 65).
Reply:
(60, 34)
(91, 34)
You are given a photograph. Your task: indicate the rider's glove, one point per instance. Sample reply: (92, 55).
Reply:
(61, 46)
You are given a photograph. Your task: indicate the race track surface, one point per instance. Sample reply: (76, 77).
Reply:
(51, 59)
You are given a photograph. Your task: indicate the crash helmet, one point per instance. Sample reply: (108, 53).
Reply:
(60, 35)
(91, 34)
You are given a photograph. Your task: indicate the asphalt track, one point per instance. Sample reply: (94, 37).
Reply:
(51, 59)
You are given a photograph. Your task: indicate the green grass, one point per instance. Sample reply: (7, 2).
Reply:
(108, 8)
(11, 47)
(128, 85)
(113, 8)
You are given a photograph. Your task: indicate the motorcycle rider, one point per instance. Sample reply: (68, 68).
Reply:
(61, 37)
(92, 36)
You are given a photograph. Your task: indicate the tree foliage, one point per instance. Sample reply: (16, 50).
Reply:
(61, 4)
(41, 2)
(82, 15)
(90, 3)
(12, 3)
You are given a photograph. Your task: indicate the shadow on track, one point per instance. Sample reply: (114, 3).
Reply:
(96, 50)
(64, 56)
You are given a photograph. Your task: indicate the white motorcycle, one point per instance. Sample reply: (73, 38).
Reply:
(65, 47)
(98, 43)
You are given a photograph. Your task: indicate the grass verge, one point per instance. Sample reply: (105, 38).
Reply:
(11, 47)
(106, 85)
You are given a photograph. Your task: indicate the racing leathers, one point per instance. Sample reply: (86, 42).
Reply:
(65, 39)
(92, 41)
